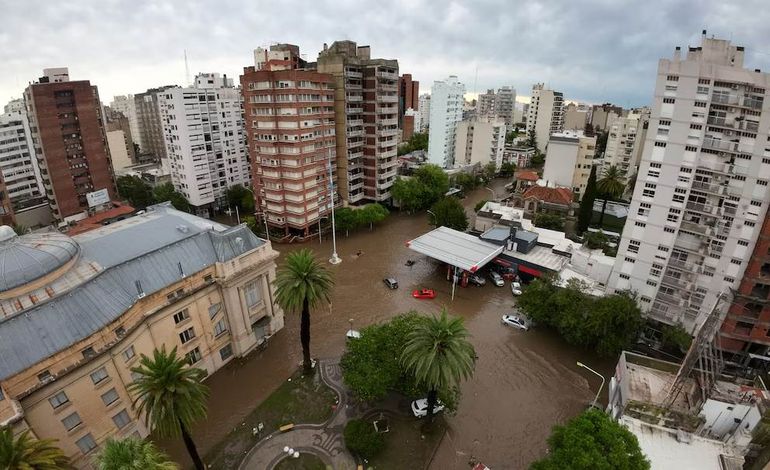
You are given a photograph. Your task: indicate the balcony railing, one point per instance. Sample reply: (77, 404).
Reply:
(716, 144)
(709, 187)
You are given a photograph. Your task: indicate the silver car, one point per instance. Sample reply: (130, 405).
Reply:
(496, 279)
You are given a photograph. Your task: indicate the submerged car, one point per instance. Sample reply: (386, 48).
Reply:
(391, 283)
(424, 294)
(516, 321)
(496, 278)
(420, 407)
(477, 280)
(516, 288)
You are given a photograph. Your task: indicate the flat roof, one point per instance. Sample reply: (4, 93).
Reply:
(457, 248)
(540, 256)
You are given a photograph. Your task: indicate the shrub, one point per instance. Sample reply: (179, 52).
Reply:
(361, 438)
(596, 240)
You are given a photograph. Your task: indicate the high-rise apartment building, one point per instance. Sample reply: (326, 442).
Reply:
(366, 105)
(424, 110)
(446, 110)
(289, 116)
(500, 105)
(480, 142)
(702, 192)
(408, 98)
(70, 142)
(119, 139)
(625, 140)
(205, 141)
(126, 105)
(575, 116)
(569, 160)
(18, 163)
(601, 114)
(153, 143)
(545, 114)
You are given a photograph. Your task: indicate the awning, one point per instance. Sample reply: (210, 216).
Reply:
(502, 262)
(528, 270)
(456, 248)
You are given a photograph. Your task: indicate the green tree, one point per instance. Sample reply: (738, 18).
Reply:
(601, 143)
(448, 212)
(301, 284)
(592, 441)
(466, 181)
(507, 169)
(538, 159)
(480, 204)
(439, 355)
(135, 191)
(586, 211)
(428, 184)
(418, 141)
(615, 322)
(27, 453)
(488, 172)
(171, 395)
(362, 439)
(345, 220)
(594, 240)
(238, 196)
(610, 186)
(532, 138)
(537, 300)
(166, 192)
(435, 181)
(549, 221)
(371, 214)
(676, 337)
(510, 136)
(132, 453)
(409, 193)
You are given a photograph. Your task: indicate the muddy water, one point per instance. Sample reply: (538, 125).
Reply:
(524, 381)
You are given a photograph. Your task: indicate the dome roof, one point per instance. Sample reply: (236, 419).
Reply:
(28, 257)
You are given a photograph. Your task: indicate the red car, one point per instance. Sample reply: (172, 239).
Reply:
(423, 294)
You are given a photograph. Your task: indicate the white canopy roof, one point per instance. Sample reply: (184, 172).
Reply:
(459, 249)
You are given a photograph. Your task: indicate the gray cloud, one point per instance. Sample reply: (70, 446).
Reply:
(594, 50)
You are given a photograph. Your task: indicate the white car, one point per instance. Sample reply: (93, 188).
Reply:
(516, 321)
(420, 407)
(496, 279)
(516, 288)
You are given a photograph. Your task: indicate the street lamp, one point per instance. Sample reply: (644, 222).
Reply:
(580, 364)
(334, 259)
(435, 218)
(494, 195)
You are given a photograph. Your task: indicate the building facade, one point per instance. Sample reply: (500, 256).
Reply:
(424, 110)
(545, 114)
(408, 98)
(521, 156)
(151, 136)
(499, 105)
(702, 190)
(446, 110)
(70, 142)
(205, 141)
(106, 297)
(289, 117)
(126, 105)
(18, 162)
(625, 140)
(575, 116)
(119, 139)
(569, 160)
(480, 142)
(366, 112)
(601, 114)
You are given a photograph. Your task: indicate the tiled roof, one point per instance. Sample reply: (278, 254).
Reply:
(561, 196)
(97, 220)
(527, 175)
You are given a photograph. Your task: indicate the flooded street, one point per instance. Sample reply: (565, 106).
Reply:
(524, 381)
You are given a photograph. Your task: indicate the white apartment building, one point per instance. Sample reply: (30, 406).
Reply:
(702, 191)
(446, 110)
(424, 105)
(126, 105)
(500, 105)
(569, 160)
(576, 116)
(205, 141)
(478, 141)
(545, 114)
(625, 140)
(18, 163)
(118, 144)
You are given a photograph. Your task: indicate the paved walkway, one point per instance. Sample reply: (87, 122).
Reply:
(323, 440)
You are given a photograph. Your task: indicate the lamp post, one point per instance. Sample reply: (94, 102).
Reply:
(494, 195)
(580, 364)
(435, 218)
(334, 259)
(320, 238)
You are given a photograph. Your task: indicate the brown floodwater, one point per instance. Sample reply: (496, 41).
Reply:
(524, 382)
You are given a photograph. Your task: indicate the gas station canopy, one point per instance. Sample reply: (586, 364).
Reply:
(459, 249)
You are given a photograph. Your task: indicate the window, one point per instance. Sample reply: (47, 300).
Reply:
(673, 215)
(252, 293)
(696, 126)
(633, 246)
(2, 397)
(762, 182)
(214, 309)
(656, 269)
(665, 122)
(630, 260)
(739, 177)
(193, 356)
(668, 229)
(652, 283)
(45, 376)
(226, 352)
(110, 397)
(86, 443)
(663, 248)
(669, 100)
(181, 316)
(121, 419)
(136, 376)
(647, 192)
(749, 224)
(672, 78)
(756, 203)
(735, 261)
(208, 278)
(120, 332)
(99, 375)
(685, 169)
(690, 148)
(640, 224)
(624, 276)
(187, 335)
(71, 422)
(660, 144)
(653, 173)
(743, 242)
(655, 165)
(58, 400)
(644, 208)
(220, 327)
(700, 104)
(729, 279)
(646, 299)
(129, 353)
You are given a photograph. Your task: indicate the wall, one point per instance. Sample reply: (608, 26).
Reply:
(116, 140)
(723, 418)
(560, 162)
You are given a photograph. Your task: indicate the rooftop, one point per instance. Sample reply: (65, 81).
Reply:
(118, 212)
(459, 249)
(560, 196)
(526, 175)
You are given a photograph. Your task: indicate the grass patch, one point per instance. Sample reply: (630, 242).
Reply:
(408, 445)
(304, 462)
(302, 400)
(611, 223)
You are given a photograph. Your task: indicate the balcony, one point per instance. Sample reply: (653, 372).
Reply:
(695, 228)
(388, 98)
(354, 110)
(388, 122)
(353, 187)
(702, 208)
(358, 133)
(388, 174)
(683, 265)
(713, 166)
(387, 75)
(387, 132)
(672, 281)
(354, 98)
(356, 154)
(713, 188)
(355, 143)
(355, 122)
(721, 145)
(353, 74)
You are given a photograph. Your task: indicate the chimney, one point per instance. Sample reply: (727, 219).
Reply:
(326, 46)
(677, 54)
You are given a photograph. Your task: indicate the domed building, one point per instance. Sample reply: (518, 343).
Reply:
(77, 312)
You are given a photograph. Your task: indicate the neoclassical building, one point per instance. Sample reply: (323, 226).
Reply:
(77, 312)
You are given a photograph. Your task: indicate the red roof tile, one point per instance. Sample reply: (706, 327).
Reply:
(561, 196)
(95, 221)
(526, 175)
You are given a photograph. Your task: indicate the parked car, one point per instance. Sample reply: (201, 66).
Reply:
(420, 407)
(516, 321)
(508, 274)
(477, 280)
(496, 279)
(516, 288)
(391, 283)
(424, 294)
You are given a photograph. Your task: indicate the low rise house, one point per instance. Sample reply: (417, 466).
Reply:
(545, 199)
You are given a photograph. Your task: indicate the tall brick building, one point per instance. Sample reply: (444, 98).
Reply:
(289, 117)
(408, 98)
(66, 121)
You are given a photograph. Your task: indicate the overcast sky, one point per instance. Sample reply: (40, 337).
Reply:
(592, 50)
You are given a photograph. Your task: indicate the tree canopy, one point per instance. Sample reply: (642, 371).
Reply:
(488, 172)
(586, 211)
(448, 212)
(592, 441)
(427, 185)
(347, 218)
(132, 453)
(136, 191)
(549, 221)
(27, 453)
(466, 181)
(418, 141)
(238, 196)
(166, 192)
(507, 169)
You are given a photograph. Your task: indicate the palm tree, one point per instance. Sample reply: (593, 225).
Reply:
(27, 453)
(132, 454)
(610, 186)
(439, 354)
(301, 283)
(171, 395)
